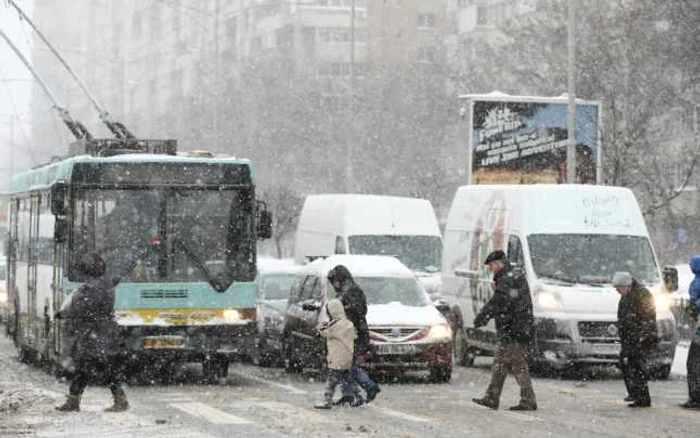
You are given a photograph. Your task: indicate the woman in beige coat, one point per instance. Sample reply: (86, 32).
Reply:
(340, 338)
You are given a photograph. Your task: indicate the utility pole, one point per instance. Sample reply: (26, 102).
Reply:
(349, 176)
(571, 145)
(217, 91)
(11, 154)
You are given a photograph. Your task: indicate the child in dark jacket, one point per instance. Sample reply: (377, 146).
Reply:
(340, 337)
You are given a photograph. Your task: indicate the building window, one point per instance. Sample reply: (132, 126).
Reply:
(155, 25)
(136, 25)
(426, 55)
(481, 15)
(426, 21)
(176, 88)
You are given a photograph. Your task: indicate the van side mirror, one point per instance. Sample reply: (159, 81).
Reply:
(59, 189)
(60, 230)
(670, 276)
(264, 225)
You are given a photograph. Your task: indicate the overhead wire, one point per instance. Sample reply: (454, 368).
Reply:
(17, 114)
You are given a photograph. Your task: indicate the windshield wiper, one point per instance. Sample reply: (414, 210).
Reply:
(199, 263)
(559, 278)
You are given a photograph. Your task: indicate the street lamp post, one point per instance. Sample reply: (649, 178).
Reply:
(350, 138)
(571, 144)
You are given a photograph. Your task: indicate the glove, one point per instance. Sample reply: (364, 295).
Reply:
(365, 357)
(649, 341)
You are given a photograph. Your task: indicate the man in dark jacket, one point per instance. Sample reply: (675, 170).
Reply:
(693, 362)
(96, 344)
(511, 307)
(355, 304)
(636, 320)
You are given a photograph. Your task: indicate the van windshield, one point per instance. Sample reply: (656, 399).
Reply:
(385, 290)
(592, 258)
(418, 253)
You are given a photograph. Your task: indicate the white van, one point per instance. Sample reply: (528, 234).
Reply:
(569, 240)
(376, 225)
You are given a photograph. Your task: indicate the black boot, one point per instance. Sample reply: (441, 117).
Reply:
(487, 402)
(372, 393)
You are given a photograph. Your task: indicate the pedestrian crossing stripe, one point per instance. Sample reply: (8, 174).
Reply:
(206, 412)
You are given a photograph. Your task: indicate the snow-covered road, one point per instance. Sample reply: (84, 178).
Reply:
(263, 403)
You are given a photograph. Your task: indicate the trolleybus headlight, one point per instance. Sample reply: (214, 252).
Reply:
(232, 316)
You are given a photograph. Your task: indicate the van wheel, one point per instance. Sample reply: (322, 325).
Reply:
(440, 374)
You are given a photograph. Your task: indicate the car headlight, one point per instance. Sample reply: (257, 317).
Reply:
(232, 316)
(442, 331)
(662, 303)
(549, 300)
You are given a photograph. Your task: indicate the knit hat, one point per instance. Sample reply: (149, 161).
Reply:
(621, 279)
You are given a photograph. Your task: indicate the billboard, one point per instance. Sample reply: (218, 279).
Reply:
(523, 139)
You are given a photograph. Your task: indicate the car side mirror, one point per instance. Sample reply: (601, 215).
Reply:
(442, 306)
(670, 275)
(60, 230)
(59, 189)
(311, 306)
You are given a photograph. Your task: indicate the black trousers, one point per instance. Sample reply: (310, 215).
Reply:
(88, 371)
(636, 376)
(693, 367)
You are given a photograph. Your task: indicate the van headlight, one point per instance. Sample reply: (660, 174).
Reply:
(549, 300)
(662, 303)
(441, 331)
(232, 316)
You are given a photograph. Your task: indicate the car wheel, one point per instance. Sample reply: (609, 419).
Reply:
(441, 374)
(292, 361)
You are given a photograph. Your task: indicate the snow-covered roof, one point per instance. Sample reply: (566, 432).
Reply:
(362, 266)
(277, 266)
(504, 97)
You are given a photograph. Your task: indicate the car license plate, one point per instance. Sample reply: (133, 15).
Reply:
(164, 342)
(395, 349)
(607, 349)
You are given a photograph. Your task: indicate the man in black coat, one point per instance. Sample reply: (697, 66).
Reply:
(96, 344)
(636, 320)
(511, 307)
(355, 305)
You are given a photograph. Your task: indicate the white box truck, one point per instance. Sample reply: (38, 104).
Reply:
(376, 225)
(568, 240)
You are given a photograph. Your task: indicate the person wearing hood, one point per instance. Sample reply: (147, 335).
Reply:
(96, 343)
(511, 307)
(636, 320)
(340, 336)
(355, 305)
(693, 362)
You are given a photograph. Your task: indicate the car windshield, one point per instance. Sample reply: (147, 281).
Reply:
(276, 286)
(592, 258)
(385, 290)
(419, 253)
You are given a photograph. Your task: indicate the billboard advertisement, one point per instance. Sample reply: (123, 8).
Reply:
(523, 139)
